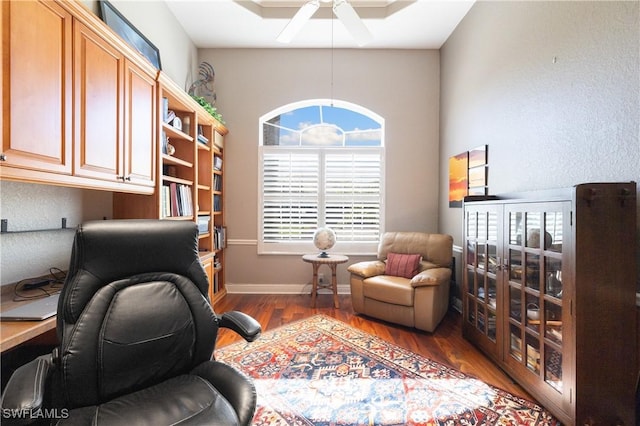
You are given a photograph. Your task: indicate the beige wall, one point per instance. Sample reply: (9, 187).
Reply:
(552, 87)
(401, 86)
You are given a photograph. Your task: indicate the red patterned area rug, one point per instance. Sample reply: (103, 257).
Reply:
(321, 371)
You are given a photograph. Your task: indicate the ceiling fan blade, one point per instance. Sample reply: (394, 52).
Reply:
(352, 22)
(297, 22)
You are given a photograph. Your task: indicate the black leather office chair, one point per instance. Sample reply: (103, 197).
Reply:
(137, 334)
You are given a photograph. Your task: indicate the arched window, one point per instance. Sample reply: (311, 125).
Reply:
(322, 164)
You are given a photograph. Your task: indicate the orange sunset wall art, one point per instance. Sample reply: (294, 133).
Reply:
(458, 169)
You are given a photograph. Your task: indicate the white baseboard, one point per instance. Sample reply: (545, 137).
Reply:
(280, 289)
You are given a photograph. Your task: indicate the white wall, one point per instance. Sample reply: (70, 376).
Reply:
(552, 87)
(29, 207)
(401, 86)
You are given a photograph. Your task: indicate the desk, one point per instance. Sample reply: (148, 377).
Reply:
(14, 333)
(333, 260)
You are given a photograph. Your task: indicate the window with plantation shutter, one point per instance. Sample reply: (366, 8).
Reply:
(321, 164)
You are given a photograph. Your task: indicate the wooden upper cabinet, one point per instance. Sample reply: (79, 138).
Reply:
(98, 106)
(36, 81)
(140, 127)
(115, 113)
(79, 105)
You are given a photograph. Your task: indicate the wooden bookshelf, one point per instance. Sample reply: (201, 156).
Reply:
(190, 180)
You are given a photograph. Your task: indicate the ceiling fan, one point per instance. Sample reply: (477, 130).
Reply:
(341, 8)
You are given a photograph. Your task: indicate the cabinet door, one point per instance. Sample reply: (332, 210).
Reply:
(140, 126)
(36, 81)
(482, 295)
(538, 345)
(98, 107)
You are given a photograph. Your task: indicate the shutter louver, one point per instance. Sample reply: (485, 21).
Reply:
(352, 196)
(290, 196)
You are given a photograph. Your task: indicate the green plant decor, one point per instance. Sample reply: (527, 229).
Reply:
(209, 108)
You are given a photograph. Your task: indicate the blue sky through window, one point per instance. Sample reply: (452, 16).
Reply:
(323, 125)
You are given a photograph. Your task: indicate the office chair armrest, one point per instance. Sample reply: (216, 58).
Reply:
(241, 323)
(235, 386)
(24, 393)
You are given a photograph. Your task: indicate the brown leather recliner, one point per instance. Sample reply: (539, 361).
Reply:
(420, 301)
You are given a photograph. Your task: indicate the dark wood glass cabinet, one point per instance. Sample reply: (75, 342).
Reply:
(549, 295)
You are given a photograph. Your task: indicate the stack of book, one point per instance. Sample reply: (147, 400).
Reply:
(201, 137)
(176, 200)
(217, 182)
(219, 237)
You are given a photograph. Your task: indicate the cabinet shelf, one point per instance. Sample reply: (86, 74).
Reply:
(172, 132)
(203, 146)
(177, 180)
(170, 160)
(178, 218)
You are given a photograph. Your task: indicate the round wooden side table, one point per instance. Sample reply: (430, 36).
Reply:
(332, 261)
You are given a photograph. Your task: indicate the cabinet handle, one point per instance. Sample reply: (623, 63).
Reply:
(128, 179)
(3, 157)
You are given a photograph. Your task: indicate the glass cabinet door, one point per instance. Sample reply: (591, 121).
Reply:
(482, 263)
(534, 268)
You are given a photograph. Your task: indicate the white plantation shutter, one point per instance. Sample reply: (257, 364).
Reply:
(352, 195)
(290, 184)
(303, 189)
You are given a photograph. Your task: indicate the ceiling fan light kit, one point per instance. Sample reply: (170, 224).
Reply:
(341, 8)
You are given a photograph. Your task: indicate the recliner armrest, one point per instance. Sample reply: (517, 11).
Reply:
(24, 393)
(243, 324)
(435, 276)
(367, 269)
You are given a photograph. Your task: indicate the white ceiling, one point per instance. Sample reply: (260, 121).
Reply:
(395, 24)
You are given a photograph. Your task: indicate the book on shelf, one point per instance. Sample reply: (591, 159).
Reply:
(217, 203)
(203, 140)
(217, 182)
(219, 237)
(165, 110)
(201, 137)
(165, 206)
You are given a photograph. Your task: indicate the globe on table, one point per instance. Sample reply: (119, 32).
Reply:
(324, 239)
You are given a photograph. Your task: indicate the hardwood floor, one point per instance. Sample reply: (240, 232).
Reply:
(446, 345)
